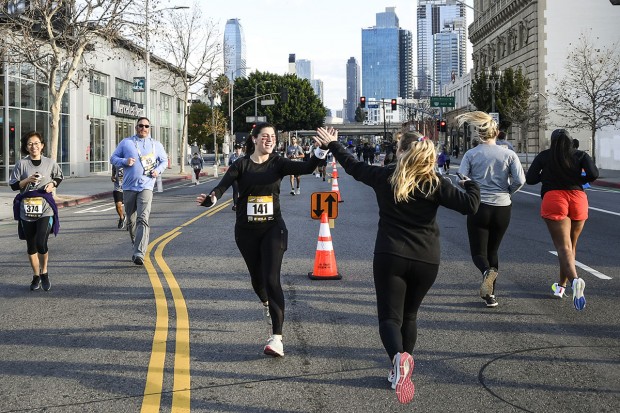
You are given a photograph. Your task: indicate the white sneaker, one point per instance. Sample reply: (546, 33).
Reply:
(292, 191)
(274, 346)
(391, 377)
(298, 192)
(558, 290)
(317, 175)
(266, 315)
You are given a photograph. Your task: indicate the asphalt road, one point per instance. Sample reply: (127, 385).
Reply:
(185, 331)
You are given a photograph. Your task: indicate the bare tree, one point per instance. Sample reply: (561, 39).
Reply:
(191, 44)
(53, 36)
(588, 92)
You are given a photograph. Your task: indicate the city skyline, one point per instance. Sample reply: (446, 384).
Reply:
(327, 33)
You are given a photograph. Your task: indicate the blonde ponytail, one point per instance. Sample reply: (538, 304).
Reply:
(415, 167)
(486, 127)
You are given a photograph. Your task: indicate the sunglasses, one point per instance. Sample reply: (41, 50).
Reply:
(144, 126)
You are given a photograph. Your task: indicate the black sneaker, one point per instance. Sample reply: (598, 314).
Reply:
(36, 283)
(292, 191)
(121, 223)
(490, 301)
(137, 260)
(45, 282)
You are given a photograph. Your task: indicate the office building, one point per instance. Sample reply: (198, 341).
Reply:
(234, 50)
(353, 89)
(433, 18)
(386, 58)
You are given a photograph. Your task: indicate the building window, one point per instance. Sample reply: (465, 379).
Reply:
(124, 90)
(98, 84)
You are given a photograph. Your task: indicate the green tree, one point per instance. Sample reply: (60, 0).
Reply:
(302, 110)
(203, 122)
(588, 93)
(480, 95)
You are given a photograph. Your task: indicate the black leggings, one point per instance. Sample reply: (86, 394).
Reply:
(263, 250)
(401, 285)
(37, 233)
(485, 230)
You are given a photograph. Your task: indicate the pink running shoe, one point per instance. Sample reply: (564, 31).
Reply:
(403, 364)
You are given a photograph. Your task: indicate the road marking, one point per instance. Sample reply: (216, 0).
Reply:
(592, 208)
(588, 269)
(181, 395)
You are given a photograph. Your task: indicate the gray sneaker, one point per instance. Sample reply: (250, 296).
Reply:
(486, 288)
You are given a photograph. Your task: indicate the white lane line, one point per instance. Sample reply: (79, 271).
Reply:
(83, 211)
(592, 208)
(588, 269)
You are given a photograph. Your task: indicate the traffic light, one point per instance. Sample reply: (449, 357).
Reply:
(438, 127)
(284, 94)
(394, 104)
(363, 102)
(442, 126)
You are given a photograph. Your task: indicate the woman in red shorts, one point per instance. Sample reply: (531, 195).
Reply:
(564, 204)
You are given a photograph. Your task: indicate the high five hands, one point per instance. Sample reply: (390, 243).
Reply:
(325, 136)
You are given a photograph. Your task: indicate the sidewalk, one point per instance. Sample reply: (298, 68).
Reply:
(74, 191)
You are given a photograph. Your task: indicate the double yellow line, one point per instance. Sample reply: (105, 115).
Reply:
(181, 389)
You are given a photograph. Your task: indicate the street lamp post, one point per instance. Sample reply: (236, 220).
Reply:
(147, 57)
(493, 78)
(231, 98)
(256, 99)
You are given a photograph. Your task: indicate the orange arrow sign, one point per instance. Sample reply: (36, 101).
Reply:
(321, 202)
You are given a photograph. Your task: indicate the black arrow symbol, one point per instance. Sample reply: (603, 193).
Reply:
(318, 211)
(330, 200)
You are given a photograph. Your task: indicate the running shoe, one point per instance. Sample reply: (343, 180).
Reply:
(558, 290)
(274, 346)
(266, 315)
(490, 301)
(137, 260)
(403, 363)
(579, 301)
(391, 376)
(36, 283)
(45, 282)
(298, 192)
(234, 207)
(486, 288)
(292, 191)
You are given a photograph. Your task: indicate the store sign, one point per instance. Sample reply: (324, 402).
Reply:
(126, 108)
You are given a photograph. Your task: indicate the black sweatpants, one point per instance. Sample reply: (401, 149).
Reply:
(401, 285)
(263, 249)
(485, 230)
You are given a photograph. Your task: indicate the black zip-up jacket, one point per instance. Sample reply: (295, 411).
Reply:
(408, 229)
(540, 171)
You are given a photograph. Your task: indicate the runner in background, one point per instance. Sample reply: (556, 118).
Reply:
(235, 186)
(296, 153)
(117, 194)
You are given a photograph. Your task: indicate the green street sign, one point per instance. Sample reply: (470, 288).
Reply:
(442, 101)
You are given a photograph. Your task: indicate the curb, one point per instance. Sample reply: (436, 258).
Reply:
(606, 184)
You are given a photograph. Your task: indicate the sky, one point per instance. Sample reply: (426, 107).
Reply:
(327, 32)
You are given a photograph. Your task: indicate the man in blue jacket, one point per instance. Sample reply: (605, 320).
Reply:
(143, 159)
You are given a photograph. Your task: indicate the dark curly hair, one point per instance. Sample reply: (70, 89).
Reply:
(24, 141)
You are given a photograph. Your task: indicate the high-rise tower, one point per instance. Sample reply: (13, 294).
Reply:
(386, 58)
(234, 50)
(353, 89)
(435, 17)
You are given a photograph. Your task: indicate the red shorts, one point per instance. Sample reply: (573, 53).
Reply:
(559, 204)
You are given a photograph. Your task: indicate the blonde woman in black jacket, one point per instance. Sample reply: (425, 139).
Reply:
(406, 256)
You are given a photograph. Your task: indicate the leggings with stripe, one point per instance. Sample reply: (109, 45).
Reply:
(401, 285)
(37, 233)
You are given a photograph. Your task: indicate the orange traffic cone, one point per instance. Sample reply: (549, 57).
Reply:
(325, 260)
(335, 187)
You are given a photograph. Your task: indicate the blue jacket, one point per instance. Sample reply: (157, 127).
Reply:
(153, 156)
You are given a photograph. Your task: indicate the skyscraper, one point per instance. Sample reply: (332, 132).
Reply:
(234, 50)
(386, 58)
(303, 69)
(353, 89)
(433, 17)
